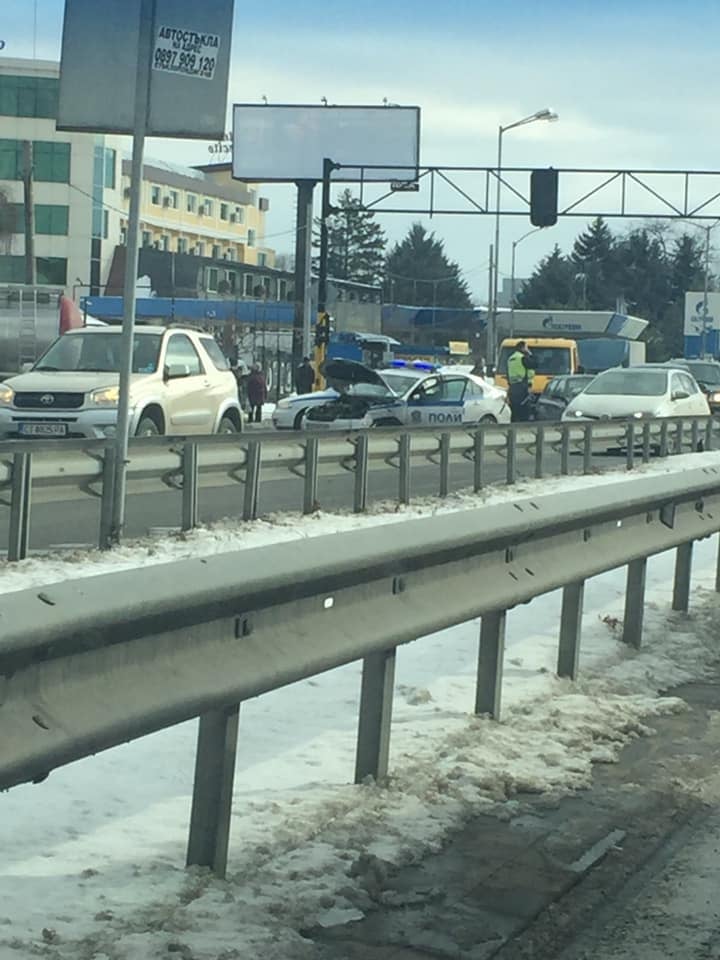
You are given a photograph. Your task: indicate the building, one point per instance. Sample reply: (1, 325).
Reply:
(81, 198)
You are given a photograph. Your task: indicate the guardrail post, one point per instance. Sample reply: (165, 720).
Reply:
(634, 603)
(252, 480)
(444, 464)
(511, 455)
(570, 629)
(105, 538)
(539, 451)
(361, 474)
(695, 436)
(479, 461)
(717, 570)
(679, 431)
(646, 442)
(488, 693)
(630, 441)
(709, 434)
(683, 568)
(587, 447)
(212, 790)
(564, 450)
(190, 486)
(311, 475)
(20, 502)
(664, 427)
(376, 698)
(404, 478)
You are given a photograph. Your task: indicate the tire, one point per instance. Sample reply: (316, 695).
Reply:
(488, 418)
(298, 421)
(227, 425)
(147, 428)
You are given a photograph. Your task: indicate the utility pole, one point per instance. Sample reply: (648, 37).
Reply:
(29, 212)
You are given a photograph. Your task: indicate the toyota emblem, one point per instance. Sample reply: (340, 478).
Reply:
(47, 399)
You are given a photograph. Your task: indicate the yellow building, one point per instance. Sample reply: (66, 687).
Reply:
(200, 212)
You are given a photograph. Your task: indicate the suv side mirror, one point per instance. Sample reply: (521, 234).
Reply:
(680, 395)
(175, 371)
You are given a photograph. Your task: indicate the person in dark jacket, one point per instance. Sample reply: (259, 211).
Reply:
(256, 393)
(304, 376)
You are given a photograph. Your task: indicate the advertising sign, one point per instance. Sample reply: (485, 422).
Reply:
(287, 143)
(190, 62)
(694, 313)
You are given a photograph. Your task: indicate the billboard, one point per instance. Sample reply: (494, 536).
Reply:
(694, 303)
(190, 62)
(286, 143)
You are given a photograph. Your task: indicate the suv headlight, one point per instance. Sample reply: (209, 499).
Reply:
(7, 395)
(714, 397)
(107, 397)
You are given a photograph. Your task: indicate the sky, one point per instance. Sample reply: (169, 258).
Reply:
(634, 85)
(93, 857)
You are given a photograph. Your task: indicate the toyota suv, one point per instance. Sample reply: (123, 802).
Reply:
(181, 384)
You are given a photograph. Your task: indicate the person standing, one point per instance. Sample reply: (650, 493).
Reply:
(304, 376)
(520, 377)
(256, 393)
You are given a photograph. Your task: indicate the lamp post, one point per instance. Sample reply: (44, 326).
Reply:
(545, 114)
(512, 276)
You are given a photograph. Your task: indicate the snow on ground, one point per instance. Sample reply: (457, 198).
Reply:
(92, 864)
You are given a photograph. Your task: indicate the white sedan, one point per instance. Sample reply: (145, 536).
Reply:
(638, 393)
(405, 397)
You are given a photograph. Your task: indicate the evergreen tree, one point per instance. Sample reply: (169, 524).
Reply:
(356, 243)
(552, 285)
(418, 273)
(594, 257)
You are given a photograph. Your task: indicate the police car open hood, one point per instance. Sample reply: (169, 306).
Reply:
(348, 373)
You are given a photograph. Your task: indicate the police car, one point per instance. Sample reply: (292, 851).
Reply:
(405, 394)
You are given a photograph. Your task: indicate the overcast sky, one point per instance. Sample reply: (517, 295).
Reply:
(635, 84)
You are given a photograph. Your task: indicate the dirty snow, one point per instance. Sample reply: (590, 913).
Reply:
(93, 858)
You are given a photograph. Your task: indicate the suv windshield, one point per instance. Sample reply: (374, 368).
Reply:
(704, 372)
(100, 353)
(629, 383)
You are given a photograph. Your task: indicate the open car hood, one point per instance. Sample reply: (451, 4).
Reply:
(349, 373)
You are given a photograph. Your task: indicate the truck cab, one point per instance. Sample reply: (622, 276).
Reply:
(553, 357)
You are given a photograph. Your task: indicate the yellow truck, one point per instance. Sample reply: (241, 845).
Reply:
(553, 356)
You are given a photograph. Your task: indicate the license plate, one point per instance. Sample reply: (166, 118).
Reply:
(42, 429)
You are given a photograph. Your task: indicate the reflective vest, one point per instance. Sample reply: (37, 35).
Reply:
(516, 368)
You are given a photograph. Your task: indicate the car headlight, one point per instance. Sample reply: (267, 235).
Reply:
(714, 397)
(106, 397)
(282, 405)
(578, 413)
(7, 394)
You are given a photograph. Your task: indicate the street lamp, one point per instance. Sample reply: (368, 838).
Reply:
(545, 114)
(512, 276)
(706, 271)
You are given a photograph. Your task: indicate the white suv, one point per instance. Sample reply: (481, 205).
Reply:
(181, 384)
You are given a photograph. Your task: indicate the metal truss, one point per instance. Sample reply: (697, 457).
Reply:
(469, 191)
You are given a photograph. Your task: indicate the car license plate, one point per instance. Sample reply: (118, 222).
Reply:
(42, 429)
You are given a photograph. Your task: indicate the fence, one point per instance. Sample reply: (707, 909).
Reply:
(86, 665)
(53, 471)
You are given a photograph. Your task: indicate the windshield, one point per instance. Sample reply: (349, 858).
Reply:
(551, 361)
(629, 383)
(399, 383)
(705, 372)
(100, 353)
(576, 385)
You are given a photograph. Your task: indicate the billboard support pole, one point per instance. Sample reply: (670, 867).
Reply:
(322, 323)
(302, 323)
(142, 95)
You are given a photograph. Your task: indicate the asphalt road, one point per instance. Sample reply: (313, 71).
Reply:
(76, 522)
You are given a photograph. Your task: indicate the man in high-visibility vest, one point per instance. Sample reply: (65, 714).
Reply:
(520, 375)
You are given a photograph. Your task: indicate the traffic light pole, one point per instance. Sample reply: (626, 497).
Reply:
(322, 330)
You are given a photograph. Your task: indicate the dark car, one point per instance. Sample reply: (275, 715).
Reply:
(707, 374)
(557, 395)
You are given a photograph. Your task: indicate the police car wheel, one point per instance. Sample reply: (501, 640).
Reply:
(488, 418)
(297, 422)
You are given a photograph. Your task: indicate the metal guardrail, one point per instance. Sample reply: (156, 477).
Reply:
(56, 471)
(86, 665)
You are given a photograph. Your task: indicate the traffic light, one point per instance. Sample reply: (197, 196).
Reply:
(543, 197)
(322, 330)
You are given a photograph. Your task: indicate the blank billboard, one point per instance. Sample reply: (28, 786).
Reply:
(288, 142)
(189, 65)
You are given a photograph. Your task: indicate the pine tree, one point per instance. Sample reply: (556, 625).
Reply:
(593, 256)
(356, 243)
(551, 287)
(418, 273)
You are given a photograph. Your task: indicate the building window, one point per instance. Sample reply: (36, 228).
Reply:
(191, 203)
(52, 270)
(11, 160)
(248, 284)
(262, 259)
(182, 245)
(251, 238)
(224, 211)
(123, 235)
(146, 238)
(174, 199)
(208, 207)
(231, 278)
(282, 290)
(109, 169)
(51, 219)
(165, 242)
(200, 249)
(106, 224)
(12, 269)
(29, 96)
(212, 279)
(155, 195)
(51, 162)
(230, 254)
(239, 215)
(216, 251)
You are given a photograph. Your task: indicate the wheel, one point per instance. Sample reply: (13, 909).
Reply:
(147, 428)
(298, 421)
(488, 418)
(227, 425)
